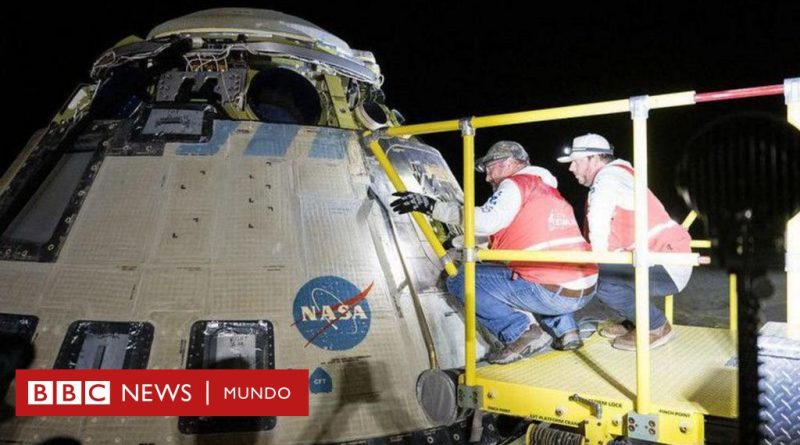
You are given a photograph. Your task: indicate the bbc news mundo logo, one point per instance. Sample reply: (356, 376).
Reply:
(73, 392)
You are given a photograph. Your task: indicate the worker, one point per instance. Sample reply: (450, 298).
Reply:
(525, 212)
(610, 227)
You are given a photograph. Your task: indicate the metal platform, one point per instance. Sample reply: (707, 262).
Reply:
(693, 376)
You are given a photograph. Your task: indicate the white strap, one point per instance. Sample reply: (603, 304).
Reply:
(655, 230)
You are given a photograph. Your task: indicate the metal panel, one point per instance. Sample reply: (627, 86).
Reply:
(37, 221)
(330, 143)
(171, 289)
(256, 219)
(780, 386)
(323, 179)
(271, 140)
(23, 285)
(116, 221)
(189, 216)
(221, 133)
(106, 293)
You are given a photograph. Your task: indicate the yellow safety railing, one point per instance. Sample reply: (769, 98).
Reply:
(547, 114)
(468, 134)
(641, 258)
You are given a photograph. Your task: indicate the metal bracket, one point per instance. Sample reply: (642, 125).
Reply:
(375, 135)
(470, 255)
(641, 259)
(470, 396)
(639, 107)
(445, 260)
(643, 426)
(596, 406)
(231, 84)
(596, 431)
(792, 262)
(791, 90)
(465, 125)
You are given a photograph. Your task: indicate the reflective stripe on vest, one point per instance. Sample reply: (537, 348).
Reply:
(545, 221)
(663, 235)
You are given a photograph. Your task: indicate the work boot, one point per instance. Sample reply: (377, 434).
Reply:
(531, 341)
(614, 330)
(570, 341)
(658, 337)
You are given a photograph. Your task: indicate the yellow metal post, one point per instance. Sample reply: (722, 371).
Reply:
(689, 220)
(733, 303)
(700, 244)
(339, 98)
(793, 277)
(791, 92)
(419, 218)
(669, 307)
(641, 260)
(468, 133)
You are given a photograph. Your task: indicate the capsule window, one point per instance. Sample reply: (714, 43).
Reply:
(282, 96)
(37, 221)
(229, 345)
(16, 337)
(105, 345)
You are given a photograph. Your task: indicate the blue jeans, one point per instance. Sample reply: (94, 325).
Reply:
(616, 290)
(501, 303)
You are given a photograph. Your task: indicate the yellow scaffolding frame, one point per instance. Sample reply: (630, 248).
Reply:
(641, 258)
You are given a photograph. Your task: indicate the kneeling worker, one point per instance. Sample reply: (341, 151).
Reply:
(526, 212)
(610, 226)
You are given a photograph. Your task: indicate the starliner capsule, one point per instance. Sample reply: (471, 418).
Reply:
(208, 200)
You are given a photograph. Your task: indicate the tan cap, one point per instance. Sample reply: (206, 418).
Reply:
(502, 150)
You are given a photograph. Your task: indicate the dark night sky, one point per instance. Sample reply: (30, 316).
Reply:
(448, 61)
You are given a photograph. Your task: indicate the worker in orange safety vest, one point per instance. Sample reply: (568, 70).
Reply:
(525, 212)
(610, 227)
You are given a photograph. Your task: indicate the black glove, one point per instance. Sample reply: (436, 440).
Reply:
(412, 202)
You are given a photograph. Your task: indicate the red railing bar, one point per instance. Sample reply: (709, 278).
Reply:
(768, 90)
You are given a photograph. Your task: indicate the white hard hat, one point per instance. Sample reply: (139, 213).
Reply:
(587, 145)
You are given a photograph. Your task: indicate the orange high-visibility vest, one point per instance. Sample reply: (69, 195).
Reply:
(545, 221)
(664, 234)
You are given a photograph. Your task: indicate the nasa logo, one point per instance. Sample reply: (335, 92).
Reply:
(332, 313)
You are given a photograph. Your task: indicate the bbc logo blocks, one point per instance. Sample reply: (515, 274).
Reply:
(48, 392)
